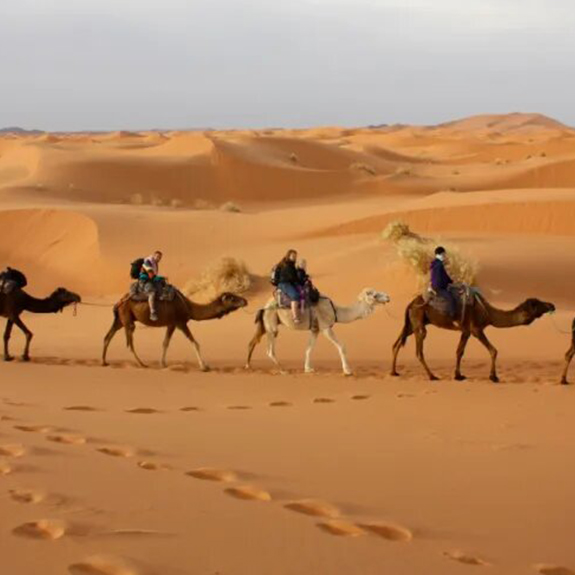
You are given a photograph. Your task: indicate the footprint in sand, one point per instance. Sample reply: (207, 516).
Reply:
(48, 529)
(117, 451)
(12, 450)
(67, 439)
(323, 400)
(360, 397)
(240, 407)
(314, 508)
(341, 528)
(103, 565)
(5, 469)
(465, 558)
(27, 495)
(249, 493)
(280, 404)
(553, 570)
(143, 411)
(33, 428)
(190, 408)
(211, 474)
(388, 532)
(81, 408)
(151, 466)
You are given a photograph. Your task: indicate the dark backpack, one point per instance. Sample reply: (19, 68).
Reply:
(275, 276)
(136, 268)
(15, 276)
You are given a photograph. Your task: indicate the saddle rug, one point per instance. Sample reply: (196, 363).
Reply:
(7, 286)
(464, 298)
(164, 292)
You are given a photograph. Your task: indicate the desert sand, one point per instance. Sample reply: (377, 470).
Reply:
(129, 471)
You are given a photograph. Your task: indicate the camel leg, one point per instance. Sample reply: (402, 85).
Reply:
(130, 329)
(260, 332)
(420, 335)
(568, 357)
(116, 326)
(186, 331)
(271, 351)
(169, 333)
(29, 336)
(311, 344)
(460, 351)
(7, 334)
(330, 335)
(492, 352)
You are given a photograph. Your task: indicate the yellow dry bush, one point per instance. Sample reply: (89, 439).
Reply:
(418, 252)
(230, 207)
(225, 275)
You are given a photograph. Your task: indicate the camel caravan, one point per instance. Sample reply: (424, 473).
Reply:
(296, 304)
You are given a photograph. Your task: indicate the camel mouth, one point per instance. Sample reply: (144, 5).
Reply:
(383, 298)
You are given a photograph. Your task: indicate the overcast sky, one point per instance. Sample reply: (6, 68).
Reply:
(135, 64)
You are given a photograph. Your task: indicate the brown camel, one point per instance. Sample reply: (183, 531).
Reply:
(478, 316)
(171, 314)
(13, 304)
(569, 355)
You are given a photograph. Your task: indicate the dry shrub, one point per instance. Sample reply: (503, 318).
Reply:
(293, 158)
(364, 168)
(137, 199)
(230, 207)
(225, 275)
(176, 203)
(418, 253)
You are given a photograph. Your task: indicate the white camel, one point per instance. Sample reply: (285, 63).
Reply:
(319, 318)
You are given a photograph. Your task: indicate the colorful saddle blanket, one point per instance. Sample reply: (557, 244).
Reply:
(140, 291)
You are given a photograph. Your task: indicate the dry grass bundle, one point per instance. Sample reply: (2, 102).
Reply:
(418, 252)
(225, 275)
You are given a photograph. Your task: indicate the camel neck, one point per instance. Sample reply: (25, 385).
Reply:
(203, 312)
(505, 318)
(357, 311)
(46, 305)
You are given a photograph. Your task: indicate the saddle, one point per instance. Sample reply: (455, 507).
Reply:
(311, 297)
(463, 294)
(164, 292)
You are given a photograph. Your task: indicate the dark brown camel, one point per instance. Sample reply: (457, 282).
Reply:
(478, 316)
(171, 314)
(12, 305)
(569, 355)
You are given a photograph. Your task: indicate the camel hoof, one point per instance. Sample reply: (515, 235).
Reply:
(309, 370)
(8, 358)
(25, 358)
(348, 373)
(247, 367)
(433, 378)
(205, 368)
(564, 381)
(394, 374)
(459, 377)
(105, 364)
(494, 378)
(143, 365)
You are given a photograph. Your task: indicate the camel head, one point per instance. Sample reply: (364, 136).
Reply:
(63, 298)
(533, 309)
(373, 297)
(229, 302)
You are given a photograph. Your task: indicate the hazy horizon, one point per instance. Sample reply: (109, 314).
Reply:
(99, 66)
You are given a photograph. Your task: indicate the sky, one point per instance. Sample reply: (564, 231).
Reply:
(169, 64)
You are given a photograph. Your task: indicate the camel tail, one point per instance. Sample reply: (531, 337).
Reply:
(406, 331)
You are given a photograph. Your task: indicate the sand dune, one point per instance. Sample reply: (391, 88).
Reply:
(126, 471)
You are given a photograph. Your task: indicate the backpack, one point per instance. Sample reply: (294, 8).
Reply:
(275, 276)
(136, 268)
(15, 276)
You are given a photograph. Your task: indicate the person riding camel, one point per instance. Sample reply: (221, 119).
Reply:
(151, 281)
(289, 282)
(441, 282)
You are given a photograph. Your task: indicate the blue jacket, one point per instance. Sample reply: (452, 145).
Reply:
(440, 279)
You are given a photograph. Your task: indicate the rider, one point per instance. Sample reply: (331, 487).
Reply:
(289, 281)
(441, 282)
(151, 280)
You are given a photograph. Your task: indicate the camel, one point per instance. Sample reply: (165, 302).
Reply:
(171, 315)
(319, 318)
(569, 355)
(13, 304)
(478, 316)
